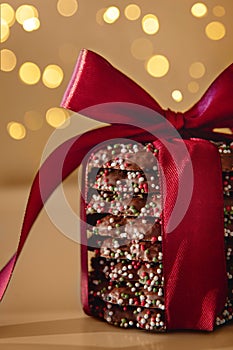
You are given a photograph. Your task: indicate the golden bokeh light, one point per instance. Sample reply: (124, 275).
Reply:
(31, 24)
(100, 16)
(223, 131)
(33, 120)
(29, 73)
(177, 95)
(197, 70)
(141, 48)
(132, 12)
(7, 13)
(193, 87)
(215, 30)
(16, 130)
(67, 8)
(7, 60)
(52, 76)
(219, 11)
(199, 10)
(57, 117)
(68, 53)
(150, 24)
(111, 14)
(5, 31)
(157, 66)
(25, 12)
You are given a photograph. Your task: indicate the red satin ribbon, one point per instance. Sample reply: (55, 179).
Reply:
(193, 253)
(95, 81)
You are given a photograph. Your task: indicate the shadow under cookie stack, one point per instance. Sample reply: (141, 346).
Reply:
(123, 209)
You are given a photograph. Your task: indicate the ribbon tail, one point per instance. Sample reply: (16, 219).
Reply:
(60, 164)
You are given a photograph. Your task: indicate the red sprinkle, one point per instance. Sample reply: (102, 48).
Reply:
(142, 247)
(153, 239)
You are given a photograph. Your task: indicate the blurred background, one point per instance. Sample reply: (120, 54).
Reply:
(173, 49)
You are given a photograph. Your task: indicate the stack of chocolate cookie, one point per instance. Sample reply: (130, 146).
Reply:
(226, 153)
(123, 212)
(126, 284)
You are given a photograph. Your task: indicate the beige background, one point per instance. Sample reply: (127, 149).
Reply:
(41, 309)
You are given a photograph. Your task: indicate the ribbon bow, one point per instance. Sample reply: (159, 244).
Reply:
(95, 82)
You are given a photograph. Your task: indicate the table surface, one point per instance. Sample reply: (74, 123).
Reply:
(41, 309)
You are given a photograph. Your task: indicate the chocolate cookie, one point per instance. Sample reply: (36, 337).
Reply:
(226, 153)
(131, 250)
(228, 184)
(124, 156)
(126, 205)
(139, 228)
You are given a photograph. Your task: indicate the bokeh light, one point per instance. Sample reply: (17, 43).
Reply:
(177, 95)
(157, 66)
(193, 87)
(57, 117)
(223, 131)
(52, 76)
(150, 24)
(7, 60)
(25, 12)
(100, 16)
(4, 31)
(132, 12)
(33, 120)
(141, 48)
(29, 73)
(16, 130)
(215, 30)
(199, 10)
(197, 70)
(219, 11)
(7, 13)
(31, 24)
(111, 14)
(67, 8)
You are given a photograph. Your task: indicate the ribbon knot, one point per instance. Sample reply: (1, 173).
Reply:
(175, 118)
